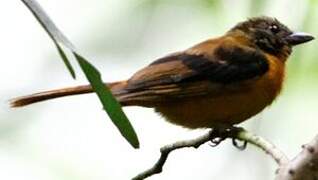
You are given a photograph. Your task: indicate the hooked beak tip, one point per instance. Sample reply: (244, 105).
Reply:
(299, 38)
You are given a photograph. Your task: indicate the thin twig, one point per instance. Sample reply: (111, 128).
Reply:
(243, 135)
(269, 148)
(157, 168)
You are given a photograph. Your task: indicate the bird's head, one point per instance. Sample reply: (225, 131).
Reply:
(271, 36)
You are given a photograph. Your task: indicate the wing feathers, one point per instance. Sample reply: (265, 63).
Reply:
(186, 75)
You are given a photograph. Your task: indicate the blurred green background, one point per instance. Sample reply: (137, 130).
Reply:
(72, 138)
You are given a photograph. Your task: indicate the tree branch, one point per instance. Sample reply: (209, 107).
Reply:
(304, 166)
(269, 148)
(157, 168)
(242, 135)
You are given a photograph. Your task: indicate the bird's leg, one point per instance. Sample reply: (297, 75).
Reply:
(218, 135)
(234, 131)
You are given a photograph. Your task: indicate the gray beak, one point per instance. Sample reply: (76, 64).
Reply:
(298, 38)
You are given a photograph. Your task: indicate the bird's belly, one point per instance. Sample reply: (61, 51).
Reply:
(221, 110)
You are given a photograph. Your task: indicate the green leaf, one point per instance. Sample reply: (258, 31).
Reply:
(66, 61)
(110, 104)
(108, 101)
(51, 29)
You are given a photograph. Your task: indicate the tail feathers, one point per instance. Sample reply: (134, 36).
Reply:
(47, 95)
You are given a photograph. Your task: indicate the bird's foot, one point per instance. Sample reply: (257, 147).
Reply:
(218, 135)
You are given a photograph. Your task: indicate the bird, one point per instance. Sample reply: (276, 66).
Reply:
(217, 83)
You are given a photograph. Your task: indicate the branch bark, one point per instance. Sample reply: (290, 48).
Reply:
(243, 135)
(165, 151)
(268, 147)
(304, 166)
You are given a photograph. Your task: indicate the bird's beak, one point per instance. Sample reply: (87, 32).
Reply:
(298, 38)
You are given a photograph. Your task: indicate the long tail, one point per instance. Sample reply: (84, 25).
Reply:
(47, 95)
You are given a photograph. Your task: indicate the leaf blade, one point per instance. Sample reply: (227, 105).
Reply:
(110, 104)
(55, 34)
(66, 61)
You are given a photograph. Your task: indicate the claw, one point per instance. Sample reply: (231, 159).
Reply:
(216, 141)
(240, 147)
(219, 135)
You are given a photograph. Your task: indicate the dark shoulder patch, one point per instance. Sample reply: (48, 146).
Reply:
(228, 65)
(239, 55)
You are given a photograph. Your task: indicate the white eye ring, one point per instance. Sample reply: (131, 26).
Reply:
(274, 28)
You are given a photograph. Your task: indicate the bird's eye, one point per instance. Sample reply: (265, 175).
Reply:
(274, 28)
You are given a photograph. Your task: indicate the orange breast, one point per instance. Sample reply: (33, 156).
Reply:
(235, 104)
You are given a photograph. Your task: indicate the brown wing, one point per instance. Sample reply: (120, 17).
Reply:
(193, 73)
